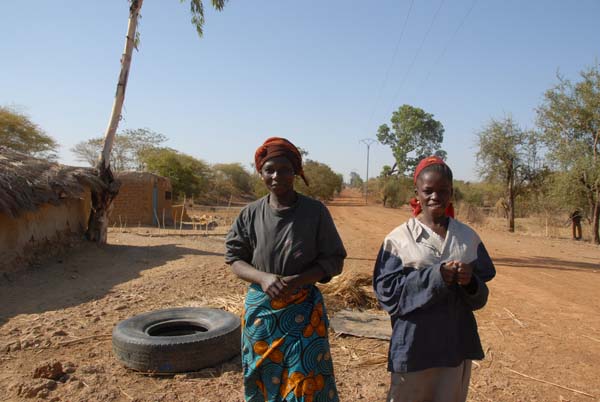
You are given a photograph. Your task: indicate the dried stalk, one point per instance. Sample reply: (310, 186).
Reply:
(589, 337)
(514, 318)
(72, 341)
(126, 394)
(550, 383)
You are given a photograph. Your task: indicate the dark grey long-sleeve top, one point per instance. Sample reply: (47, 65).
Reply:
(286, 242)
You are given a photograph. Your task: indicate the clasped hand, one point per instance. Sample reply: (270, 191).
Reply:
(457, 272)
(277, 287)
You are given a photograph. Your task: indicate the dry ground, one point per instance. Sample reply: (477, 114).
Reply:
(540, 329)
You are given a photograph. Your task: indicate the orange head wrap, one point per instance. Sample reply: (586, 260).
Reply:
(277, 146)
(431, 160)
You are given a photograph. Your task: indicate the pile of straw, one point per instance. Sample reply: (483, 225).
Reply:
(351, 290)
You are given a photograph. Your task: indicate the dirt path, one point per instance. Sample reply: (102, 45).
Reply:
(542, 319)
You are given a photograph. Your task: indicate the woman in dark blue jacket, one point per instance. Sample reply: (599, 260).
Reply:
(430, 276)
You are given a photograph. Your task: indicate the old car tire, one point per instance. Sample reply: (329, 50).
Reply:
(177, 340)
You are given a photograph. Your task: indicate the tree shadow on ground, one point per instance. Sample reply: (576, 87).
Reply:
(88, 273)
(548, 263)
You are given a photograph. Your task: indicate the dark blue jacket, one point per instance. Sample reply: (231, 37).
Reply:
(433, 324)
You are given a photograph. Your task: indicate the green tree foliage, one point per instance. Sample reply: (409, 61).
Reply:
(19, 133)
(395, 190)
(474, 200)
(197, 11)
(231, 179)
(189, 176)
(414, 134)
(258, 186)
(469, 193)
(544, 197)
(355, 180)
(324, 182)
(386, 170)
(569, 118)
(127, 150)
(504, 152)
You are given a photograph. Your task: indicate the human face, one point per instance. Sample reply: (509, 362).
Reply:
(278, 175)
(434, 191)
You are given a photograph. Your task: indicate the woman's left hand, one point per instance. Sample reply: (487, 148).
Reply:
(272, 285)
(290, 283)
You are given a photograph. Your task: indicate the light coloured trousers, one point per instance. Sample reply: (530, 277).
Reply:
(438, 384)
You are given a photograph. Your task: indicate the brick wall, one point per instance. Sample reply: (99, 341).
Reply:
(133, 204)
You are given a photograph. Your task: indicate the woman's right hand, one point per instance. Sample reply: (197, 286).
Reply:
(464, 273)
(448, 271)
(272, 285)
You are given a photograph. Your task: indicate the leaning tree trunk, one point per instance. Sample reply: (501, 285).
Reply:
(102, 200)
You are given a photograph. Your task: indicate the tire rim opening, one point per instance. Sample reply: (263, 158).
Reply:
(175, 328)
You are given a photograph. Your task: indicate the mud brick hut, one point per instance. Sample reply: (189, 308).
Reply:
(44, 207)
(143, 199)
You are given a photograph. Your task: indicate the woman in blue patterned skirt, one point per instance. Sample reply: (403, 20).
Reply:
(283, 244)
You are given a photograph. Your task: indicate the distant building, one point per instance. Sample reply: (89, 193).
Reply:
(143, 199)
(44, 207)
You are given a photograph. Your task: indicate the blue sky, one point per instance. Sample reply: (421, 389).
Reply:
(324, 74)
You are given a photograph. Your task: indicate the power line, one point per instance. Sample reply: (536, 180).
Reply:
(418, 52)
(387, 74)
(442, 54)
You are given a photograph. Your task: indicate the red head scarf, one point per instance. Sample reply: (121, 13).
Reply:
(277, 146)
(431, 160)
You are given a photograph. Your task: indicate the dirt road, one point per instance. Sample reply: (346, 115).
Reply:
(540, 329)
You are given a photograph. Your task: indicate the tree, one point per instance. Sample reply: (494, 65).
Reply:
(127, 149)
(504, 150)
(396, 190)
(324, 182)
(231, 179)
(414, 135)
(258, 186)
(98, 222)
(355, 180)
(19, 133)
(189, 176)
(569, 118)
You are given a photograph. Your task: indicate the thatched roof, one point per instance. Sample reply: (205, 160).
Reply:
(27, 182)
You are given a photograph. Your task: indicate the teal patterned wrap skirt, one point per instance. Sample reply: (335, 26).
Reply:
(285, 349)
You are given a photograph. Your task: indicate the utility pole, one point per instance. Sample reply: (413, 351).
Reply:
(367, 142)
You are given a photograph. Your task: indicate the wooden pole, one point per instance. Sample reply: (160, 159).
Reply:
(157, 220)
(115, 116)
(102, 199)
(182, 211)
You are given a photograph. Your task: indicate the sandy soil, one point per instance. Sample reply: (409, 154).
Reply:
(540, 329)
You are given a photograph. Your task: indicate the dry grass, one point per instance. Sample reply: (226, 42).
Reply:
(232, 303)
(223, 215)
(469, 214)
(539, 226)
(350, 291)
